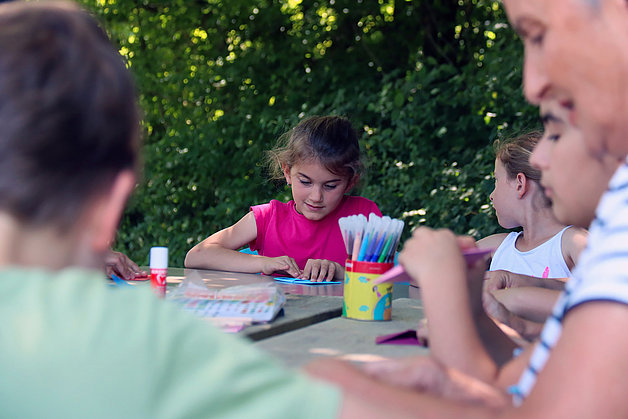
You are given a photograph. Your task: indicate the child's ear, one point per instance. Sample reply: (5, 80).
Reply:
(522, 185)
(106, 211)
(286, 173)
(352, 182)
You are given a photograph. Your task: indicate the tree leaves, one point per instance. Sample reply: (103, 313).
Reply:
(428, 86)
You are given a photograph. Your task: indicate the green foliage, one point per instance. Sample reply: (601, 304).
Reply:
(429, 85)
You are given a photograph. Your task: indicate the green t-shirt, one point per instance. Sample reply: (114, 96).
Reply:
(70, 346)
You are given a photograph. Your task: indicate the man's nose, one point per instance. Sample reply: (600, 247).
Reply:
(536, 83)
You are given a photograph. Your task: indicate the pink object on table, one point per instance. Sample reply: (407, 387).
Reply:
(398, 274)
(407, 337)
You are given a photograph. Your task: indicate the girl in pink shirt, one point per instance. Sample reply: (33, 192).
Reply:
(320, 159)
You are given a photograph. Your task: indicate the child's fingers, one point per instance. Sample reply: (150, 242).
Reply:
(319, 270)
(331, 271)
(322, 270)
(296, 267)
(306, 271)
(421, 329)
(285, 263)
(293, 267)
(466, 242)
(315, 270)
(119, 264)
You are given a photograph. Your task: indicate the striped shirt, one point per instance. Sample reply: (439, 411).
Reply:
(601, 275)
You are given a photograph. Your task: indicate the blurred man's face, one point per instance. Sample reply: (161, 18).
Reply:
(577, 53)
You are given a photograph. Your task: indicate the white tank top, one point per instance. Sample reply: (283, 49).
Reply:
(544, 261)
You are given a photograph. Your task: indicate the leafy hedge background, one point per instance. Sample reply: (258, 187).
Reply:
(429, 85)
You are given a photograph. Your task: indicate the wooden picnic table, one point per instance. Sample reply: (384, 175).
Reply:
(348, 339)
(306, 305)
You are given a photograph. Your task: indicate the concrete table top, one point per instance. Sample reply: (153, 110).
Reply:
(348, 339)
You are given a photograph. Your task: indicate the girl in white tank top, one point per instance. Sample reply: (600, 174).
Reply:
(518, 284)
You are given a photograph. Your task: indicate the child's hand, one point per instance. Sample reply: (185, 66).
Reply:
(431, 255)
(281, 263)
(319, 270)
(433, 258)
(117, 263)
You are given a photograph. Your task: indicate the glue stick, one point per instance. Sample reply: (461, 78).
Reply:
(158, 270)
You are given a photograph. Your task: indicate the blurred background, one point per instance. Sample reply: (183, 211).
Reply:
(428, 85)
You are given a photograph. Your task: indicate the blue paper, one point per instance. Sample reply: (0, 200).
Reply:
(290, 280)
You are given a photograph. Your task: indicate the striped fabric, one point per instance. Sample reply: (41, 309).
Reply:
(601, 274)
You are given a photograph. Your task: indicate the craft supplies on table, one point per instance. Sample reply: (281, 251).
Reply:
(158, 270)
(290, 280)
(231, 308)
(371, 240)
(371, 245)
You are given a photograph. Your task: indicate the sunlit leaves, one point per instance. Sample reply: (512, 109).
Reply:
(426, 83)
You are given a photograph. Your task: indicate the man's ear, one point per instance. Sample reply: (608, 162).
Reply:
(286, 173)
(522, 185)
(107, 210)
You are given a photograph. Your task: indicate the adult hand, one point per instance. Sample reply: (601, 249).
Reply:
(319, 270)
(494, 308)
(425, 374)
(119, 264)
(281, 264)
(498, 280)
(476, 283)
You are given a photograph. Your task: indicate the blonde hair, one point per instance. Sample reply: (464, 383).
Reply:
(514, 153)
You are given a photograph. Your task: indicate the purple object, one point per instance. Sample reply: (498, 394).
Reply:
(407, 337)
(398, 274)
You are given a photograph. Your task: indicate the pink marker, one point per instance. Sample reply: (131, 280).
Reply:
(546, 272)
(356, 245)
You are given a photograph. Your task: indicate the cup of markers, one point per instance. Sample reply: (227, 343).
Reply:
(371, 245)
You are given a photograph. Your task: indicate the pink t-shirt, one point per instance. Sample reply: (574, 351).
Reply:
(281, 230)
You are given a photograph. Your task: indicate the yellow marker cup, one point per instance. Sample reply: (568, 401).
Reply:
(363, 300)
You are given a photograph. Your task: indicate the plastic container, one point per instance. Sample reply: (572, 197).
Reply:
(158, 270)
(363, 300)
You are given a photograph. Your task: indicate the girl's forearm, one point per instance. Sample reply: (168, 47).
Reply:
(520, 280)
(213, 256)
(531, 303)
(553, 283)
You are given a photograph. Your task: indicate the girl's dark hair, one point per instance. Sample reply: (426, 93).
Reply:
(515, 152)
(330, 140)
(68, 117)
